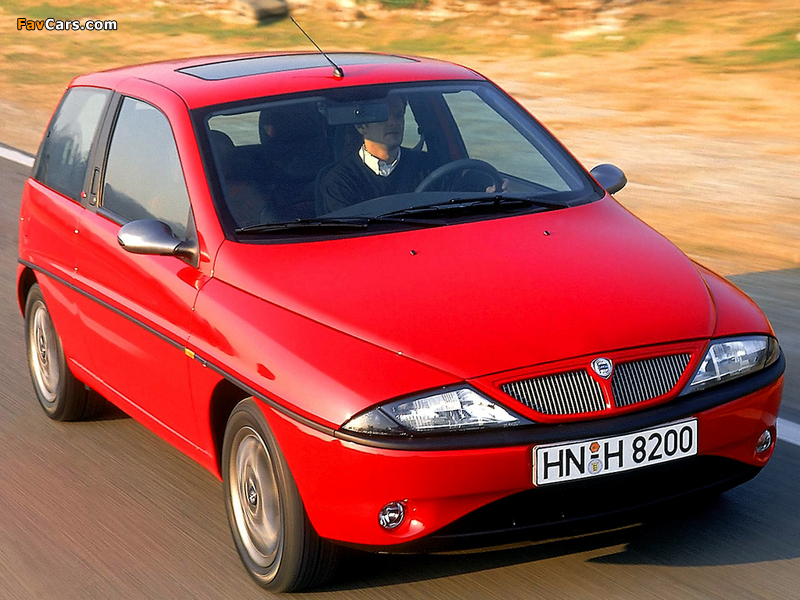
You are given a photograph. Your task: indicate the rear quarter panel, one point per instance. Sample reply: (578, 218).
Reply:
(48, 223)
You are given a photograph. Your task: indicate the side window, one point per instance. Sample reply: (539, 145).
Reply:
(143, 178)
(241, 128)
(64, 155)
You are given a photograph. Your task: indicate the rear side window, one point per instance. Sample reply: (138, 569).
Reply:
(64, 156)
(144, 179)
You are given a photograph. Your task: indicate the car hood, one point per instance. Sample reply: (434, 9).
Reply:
(478, 298)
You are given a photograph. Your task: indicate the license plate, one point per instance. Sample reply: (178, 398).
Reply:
(556, 463)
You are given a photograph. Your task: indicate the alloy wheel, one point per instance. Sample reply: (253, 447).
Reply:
(255, 499)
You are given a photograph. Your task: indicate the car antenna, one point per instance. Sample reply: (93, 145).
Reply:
(337, 70)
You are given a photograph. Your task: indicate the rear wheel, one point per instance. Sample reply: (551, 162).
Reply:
(60, 394)
(274, 538)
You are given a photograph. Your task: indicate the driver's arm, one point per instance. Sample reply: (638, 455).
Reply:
(339, 189)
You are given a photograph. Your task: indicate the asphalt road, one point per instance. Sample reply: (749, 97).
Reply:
(105, 509)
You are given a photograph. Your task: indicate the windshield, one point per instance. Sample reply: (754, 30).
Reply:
(382, 154)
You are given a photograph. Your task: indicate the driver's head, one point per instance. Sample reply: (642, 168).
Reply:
(384, 138)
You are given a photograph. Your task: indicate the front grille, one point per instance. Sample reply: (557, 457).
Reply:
(563, 394)
(643, 380)
(576, 392)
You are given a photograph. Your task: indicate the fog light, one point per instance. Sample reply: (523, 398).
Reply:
(392, 515)
(764, 442)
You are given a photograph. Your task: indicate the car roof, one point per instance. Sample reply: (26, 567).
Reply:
(213, 80)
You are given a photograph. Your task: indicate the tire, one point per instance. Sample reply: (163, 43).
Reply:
(60, 394)
(275, 540)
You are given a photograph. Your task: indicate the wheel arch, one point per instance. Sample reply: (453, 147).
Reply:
(224, 398)
(25, 282)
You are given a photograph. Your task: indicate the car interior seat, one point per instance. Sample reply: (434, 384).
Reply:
(346, 142)
(294, 139)
(246, 199)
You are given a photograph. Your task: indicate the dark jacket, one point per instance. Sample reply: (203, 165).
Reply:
(351, 181)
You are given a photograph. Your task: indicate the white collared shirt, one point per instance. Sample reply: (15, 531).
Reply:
(376, 165)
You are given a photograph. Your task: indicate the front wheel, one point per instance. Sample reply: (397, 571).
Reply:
(275, 540)
(61, 395)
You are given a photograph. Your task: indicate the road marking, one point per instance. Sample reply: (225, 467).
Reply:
(789, 431)
(16, 156)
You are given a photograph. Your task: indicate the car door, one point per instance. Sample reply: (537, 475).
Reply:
(137, 311)
(52, 204)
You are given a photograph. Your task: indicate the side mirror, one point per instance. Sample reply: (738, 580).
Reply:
(148, 236)
(610, 177)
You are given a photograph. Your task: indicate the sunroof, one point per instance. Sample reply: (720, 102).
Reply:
(242, 67)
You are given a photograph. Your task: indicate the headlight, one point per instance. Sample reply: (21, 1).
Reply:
(450, 410)
(732, 358)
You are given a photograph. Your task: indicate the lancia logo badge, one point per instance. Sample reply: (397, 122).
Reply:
(603, 367)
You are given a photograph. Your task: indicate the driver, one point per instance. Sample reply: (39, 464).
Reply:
(380, 167)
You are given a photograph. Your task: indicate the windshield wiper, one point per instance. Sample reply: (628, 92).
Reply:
(334, 223)
(350, 223)
(489, 203)
(485, 204)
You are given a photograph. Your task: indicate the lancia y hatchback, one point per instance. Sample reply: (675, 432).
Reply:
(381, 302)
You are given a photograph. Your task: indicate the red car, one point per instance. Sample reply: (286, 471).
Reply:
(381, 302)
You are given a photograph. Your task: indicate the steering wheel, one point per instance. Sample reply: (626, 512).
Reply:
(464, 164)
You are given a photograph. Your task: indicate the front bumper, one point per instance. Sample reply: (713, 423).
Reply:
(451, 485)
(584, 506)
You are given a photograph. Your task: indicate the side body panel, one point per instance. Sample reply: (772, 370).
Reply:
(48, 221)
(137, 310)
(136, 324)
(310, 369)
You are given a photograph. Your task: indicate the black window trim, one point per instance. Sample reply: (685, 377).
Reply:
(101, 152)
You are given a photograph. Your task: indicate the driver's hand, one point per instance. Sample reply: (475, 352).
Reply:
(493, 188)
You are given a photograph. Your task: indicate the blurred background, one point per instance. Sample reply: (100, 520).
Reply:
(697, 101)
